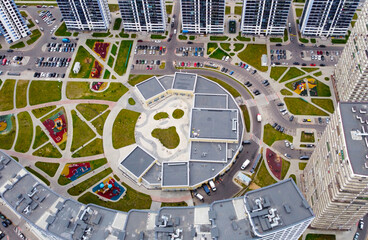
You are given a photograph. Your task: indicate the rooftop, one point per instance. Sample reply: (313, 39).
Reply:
(184, 81)
(175, 174)
(208, 151)
(166, 81)
(138, 161)
(355, 125)
(210, 101)
(150, 88)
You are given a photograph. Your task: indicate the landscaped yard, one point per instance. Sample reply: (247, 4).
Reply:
(117, 24)
(100, 122)
(47, 151)
(25, 132)
(238, 10)
(39, 112)
(263, 177)
(309, 69)
(323, 90)
(110, 62)
(90, 111)
(91, 42)
(246, 116)
(83, 186)
(114, 49)
(131, 200)
(168, 137)
(123, 129)
(271, 135)
(86, 61)
(317, 74)
(218, 38)
(44, 91)
(49, 168)
(131, 101)
(312, 236)
(81, 90)
(174, 204)
(286, 92)
(299, 106)
(161, 115)
(225, 46)
(178, 113)
(40, 138)
(18, 45)
(169, 9)
(238, 46)
(122, 59)
(293, 177)
(276, 72)
(42, 178)
(62, 31)
(82, 133)
(302, 165)
(218, 54)
(211, 46)
(7, 95)
(298, 12)
(228, 87)
(135, 79)
(285, 167)
(252, 55)
(36, 34)
(326, 104)
(7, 140)
(292, 73)
(93, 148)
(21, 93)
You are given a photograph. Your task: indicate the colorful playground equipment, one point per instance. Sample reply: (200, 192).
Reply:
(75, 170)
(109, 189)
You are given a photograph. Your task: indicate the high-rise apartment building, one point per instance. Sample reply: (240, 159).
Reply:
(143, 15)
(268, 17)
(85, 14)
(327, 17)
(335, 180)
(202, 16)
(12, 24)
(351, 79)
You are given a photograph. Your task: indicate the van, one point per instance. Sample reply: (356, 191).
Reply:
(199, 196)
(246, 142)
(212, 185)
(205, 187)
(245, 164)
(304, 157)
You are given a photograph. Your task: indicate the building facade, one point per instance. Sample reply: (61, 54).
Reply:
(143, 15)
(12, 24)
(350, 78)
(335, 180)
(202, 16)
(85, 15)
(267, 17)
(327, 17)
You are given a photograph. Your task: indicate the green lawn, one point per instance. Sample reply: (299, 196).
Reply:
(298, 12)
(101, 34)
(302, 165)
(117, 24)
(62, 31)
(225, 46)
(135, 79)
(49, 168)
(90, 111)
(106, 74)
(238, 10)
(309, 69)
(174, 204)
(238, 47)
(94, 165)
(227, 10)
(40, 138)
(100, 122)
(93, 148)
(178, 113)
(252, 55)
(211, 46)
(182, 37)
(131, 200)
(168, 137)
(313, 40)
(286, 92)
(218, 38)
(263, 177)
(286, 35)
(114, 49)
(131, 101)
(157, 36)
(246, 117)
(312, 236)
(39, 112)
(243, 39)
(44, 91)
(161, 115)
(326, 104)
(169, 9)
(303, 40)
(82, 133)
(273, 39)
(218, 54)
(339, 40)
(21, 93)
(83, 186)
(18, 45)
(292, 73)
(271, 135)
(298, 106)
(25, 132)
(7, 140)
(284, 168)
(317, 74)
(7, 95)
(293, 177)
(38, 175)
(91, 42)
(110, 63)
(276, 72)
(323, 90)
(307, 137)
(81, 90)
(114, 7)
(228, 87)
(47, 151)
(123, 57)
(123, 128)
(86, 63)
(36, 34)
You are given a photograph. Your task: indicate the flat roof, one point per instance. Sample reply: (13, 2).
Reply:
(184, 81)
(166, 81)
(214, 124)
(183, 218)
(356, 145)
(287, 201)
(203, 171)
(140, 222)
(150, 88)
(138, 161)
(153, 175)
(175, 174)
(204, 85)
(208, 151)
(210, 101)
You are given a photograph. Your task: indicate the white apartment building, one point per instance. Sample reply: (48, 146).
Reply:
(335, 180)
(351, 73)
(90, 15)
(12, 24)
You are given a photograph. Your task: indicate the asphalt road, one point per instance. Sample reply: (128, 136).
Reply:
(363, 232)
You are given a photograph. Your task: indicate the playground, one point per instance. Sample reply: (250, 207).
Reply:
(312, 85)
(96, 70)
(99, 86)
(101, 49)
(274, 163)
(300, 87)
(73, 171)
(5, 124)
(57, 127)
(109, 189)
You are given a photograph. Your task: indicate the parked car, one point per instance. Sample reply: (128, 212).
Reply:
(199, 196)
(245, 164)
(206, 189)
(212, 185)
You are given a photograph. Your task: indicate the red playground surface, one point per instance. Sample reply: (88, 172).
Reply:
(274, 163)
(75, 170)
(109, 189)
(96, 70)
(101, 49)
(56, 126)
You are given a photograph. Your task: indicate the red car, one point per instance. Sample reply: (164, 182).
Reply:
(312, 64)
(195, 64)
(182, 64)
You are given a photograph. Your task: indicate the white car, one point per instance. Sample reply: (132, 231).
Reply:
(287, 144)
(287, 155)
(245, 164)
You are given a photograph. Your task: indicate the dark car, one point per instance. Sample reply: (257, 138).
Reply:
(279, 45)
(10, 50)
(304, 64)
(189, 42)
(140, 40)
(322, 65)
(302, 54)
(291, 118)
(277, 63)
(296, 63)
(280, 104)
(4, 224)
(281, 129)
(274, 125)
(8, 221)
(322, 46)
(278, 127)
(320, 120)
(254, 72)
